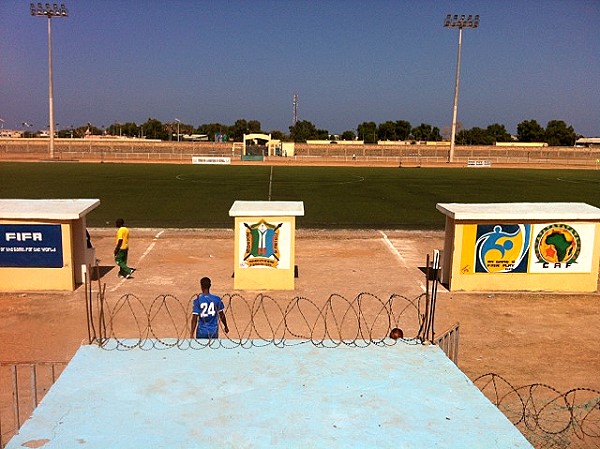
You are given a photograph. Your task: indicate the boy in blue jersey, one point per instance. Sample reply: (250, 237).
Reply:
(204, 313)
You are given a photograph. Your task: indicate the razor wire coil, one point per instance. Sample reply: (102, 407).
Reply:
(163, 322)
(548, 418)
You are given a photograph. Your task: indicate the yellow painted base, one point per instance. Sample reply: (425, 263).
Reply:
(580, 282)
(252, 279)
(456, 274)
(36, 279)
(263, 277)
(15, 279)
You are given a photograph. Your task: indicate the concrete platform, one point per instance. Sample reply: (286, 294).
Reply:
(400, 396)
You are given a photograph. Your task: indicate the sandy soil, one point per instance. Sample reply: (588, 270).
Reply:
(526, 338)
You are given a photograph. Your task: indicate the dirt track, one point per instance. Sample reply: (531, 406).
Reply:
(527, 338)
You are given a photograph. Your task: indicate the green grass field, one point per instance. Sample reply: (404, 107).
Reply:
(181, 196)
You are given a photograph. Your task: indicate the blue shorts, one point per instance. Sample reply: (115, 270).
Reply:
(207, 336)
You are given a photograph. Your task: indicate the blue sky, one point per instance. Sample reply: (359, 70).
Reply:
(349, 61)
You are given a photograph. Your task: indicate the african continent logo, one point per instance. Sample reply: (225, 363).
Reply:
(557, 243)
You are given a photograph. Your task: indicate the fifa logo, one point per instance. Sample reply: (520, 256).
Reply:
(23, 236)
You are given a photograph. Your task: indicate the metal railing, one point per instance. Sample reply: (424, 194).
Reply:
(22, 386)
(448, 342)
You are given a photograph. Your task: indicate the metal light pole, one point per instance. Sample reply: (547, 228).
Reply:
(178, 122)
(50, 11)
(460, 22)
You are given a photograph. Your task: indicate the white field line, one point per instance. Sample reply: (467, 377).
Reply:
(156, 237)
(150, 247)
(396, 253)
(270, 182)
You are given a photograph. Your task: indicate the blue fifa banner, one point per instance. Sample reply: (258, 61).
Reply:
(31, 246)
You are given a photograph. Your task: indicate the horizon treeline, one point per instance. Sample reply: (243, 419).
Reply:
(556, 132)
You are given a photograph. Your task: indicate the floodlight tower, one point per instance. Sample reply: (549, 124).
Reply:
(295, 111)
(460, 22)
(178, 122)
(50, 11)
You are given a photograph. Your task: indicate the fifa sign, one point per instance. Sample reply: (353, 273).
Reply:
(31, 246)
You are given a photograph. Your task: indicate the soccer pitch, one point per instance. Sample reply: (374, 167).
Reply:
(200, 196)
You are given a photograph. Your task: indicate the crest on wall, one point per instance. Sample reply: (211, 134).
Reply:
(557, 243)
(262, 244)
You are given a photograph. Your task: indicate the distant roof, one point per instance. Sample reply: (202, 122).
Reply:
(260, 136)
(588, 140)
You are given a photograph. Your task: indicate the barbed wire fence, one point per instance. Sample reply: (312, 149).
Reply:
(129, 322)
(548, 418)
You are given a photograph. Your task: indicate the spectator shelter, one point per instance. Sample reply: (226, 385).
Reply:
(521, 246)
(43, 243)
(265, 238)
(258, 146)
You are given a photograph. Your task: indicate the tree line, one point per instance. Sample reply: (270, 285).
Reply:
(556, 132)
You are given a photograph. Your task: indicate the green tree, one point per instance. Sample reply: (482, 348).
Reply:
(120, 129)
(239, 128)
(349, 135)
(403, 129)
(426, 132)
(212, 129)
(473, 136)
(322, 134)
(367, 131)
(530, 131)
(559, 134)
(278, 135)
(387, 131)
(129, 129)
(497, 133)
(304, 130)
(478, 136)
(154, 129)
(254, 126)
(184, 128)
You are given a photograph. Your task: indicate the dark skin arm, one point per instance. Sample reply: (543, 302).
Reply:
(118, 247)
(224, 321)
(194, 325)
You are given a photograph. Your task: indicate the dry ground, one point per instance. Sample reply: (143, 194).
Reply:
(526, 338)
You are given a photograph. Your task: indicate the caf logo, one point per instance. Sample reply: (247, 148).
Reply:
(557, 243)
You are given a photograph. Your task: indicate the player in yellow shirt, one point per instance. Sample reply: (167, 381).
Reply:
(122, 249)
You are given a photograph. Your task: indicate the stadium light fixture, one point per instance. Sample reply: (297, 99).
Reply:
(50, 11)
(460, 22)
